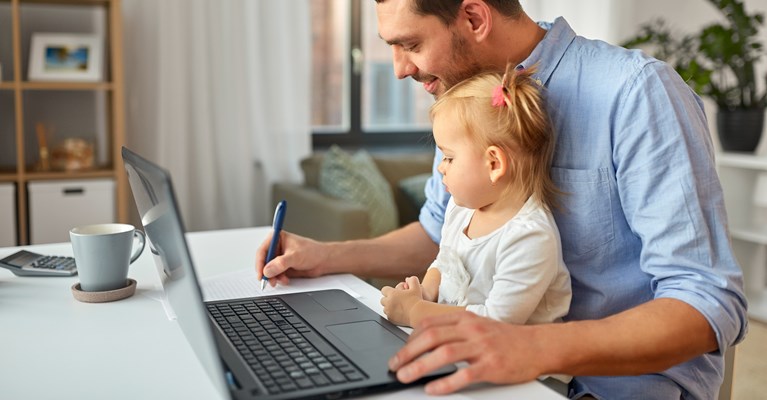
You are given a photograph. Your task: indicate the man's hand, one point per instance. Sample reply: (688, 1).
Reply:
(297, 257)
(402, 252)
(399, 302)
(648, 338)
(496, 352)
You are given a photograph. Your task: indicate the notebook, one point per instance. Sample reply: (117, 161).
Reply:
(323, 344)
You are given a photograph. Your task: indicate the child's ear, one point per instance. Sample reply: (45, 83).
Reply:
(497, 163)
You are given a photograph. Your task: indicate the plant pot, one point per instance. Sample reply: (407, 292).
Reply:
(740, 129)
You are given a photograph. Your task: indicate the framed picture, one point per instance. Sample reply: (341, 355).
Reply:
(65, 57)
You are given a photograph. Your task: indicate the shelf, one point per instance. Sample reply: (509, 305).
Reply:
(66, 85)
(757, 305)
(74, 105)
(66, 2)
(7, 177)
(58, 86)
(742, 160)
(62, 175)
(753, 235)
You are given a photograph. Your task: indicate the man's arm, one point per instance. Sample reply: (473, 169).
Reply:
(405, 251)
(649, 338)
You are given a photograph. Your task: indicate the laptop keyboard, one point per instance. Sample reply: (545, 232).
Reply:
(284, 352)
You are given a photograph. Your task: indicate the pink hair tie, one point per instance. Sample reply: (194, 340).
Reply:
(498, 100)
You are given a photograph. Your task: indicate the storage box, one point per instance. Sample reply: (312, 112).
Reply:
(7, 214)
(55, 207)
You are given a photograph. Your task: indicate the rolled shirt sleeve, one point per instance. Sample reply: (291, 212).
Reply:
(672, 199)
(432, 215)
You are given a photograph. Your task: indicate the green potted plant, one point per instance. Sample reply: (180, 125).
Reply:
(718, 63)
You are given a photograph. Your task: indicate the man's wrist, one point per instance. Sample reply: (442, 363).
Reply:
(551, 359)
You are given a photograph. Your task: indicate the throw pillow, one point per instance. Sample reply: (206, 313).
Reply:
(356, 178)
(413, 189)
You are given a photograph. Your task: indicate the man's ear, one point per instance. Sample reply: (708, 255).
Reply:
(478, 17)
(498, 164)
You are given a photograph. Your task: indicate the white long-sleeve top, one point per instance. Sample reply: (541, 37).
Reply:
(514, 274)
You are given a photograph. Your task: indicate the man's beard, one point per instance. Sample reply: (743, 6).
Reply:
(466, 65)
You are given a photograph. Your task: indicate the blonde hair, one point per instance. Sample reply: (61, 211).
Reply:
(519, 126)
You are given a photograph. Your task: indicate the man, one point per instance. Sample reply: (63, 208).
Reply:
(657, 293)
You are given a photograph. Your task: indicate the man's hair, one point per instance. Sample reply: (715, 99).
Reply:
(508, 111)
(447, 10)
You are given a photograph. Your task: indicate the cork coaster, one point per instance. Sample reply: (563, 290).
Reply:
(106, 296)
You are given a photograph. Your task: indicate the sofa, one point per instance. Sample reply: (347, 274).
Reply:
(320, 216)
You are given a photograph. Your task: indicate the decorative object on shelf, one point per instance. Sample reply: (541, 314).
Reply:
(73, 154)
(718, 62)
(65, 57)
(42, 147)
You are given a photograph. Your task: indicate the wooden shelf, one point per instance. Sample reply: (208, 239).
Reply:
(58, 85)
(7, 177)
(64, 175)
(108, 107)
(66, 85)
(62, 2)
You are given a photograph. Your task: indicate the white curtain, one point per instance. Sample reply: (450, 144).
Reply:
(217, 92)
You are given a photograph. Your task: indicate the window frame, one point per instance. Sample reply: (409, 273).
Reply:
(355, 136)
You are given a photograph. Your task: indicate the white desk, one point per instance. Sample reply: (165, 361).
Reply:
(52, 346)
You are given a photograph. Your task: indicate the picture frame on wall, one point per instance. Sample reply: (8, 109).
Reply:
(66, 57)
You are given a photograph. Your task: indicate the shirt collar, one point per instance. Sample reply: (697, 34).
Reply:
(548, 53)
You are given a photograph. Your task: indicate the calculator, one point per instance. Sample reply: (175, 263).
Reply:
(27, 263)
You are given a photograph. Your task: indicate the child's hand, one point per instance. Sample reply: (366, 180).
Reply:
(398, 302)
(425, 294)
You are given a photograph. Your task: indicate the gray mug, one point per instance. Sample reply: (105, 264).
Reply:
(103, 254)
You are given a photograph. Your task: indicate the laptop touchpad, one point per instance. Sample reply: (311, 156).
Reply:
(331, 301)
(365, 335)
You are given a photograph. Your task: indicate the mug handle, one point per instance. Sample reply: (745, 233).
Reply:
(142, 239)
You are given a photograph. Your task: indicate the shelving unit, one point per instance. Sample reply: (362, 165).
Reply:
(29, 97)
(738, 174)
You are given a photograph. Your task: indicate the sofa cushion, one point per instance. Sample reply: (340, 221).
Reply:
(397, 166)
(413, 189)
(311, 169)
(356, 178)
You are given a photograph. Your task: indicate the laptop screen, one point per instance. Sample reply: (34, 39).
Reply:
(156, 204)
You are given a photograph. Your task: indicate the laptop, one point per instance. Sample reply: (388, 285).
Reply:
(323, 344)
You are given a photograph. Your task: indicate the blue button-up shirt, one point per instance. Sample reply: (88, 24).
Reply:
(643, 217)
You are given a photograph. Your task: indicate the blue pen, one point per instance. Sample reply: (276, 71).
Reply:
(279, 218)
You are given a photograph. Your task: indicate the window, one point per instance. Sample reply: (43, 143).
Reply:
(356, 99)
